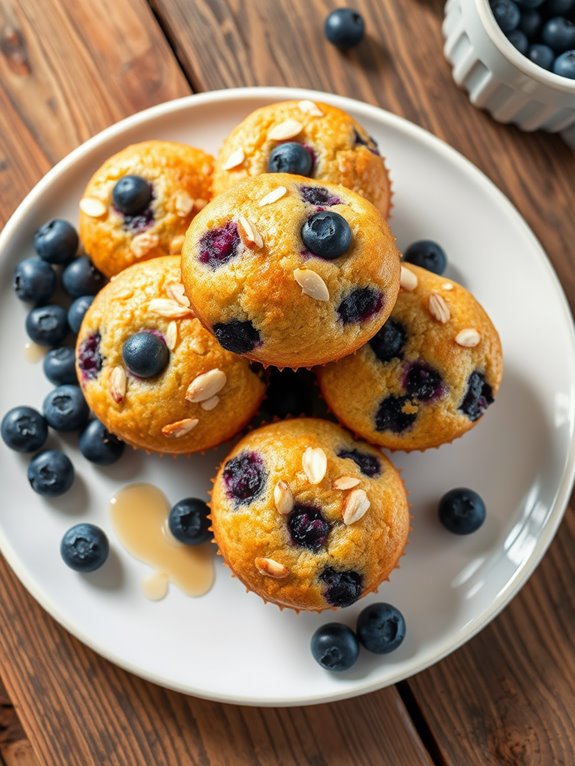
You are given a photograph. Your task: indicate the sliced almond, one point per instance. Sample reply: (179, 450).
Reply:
(447, 286)
(468, 338)
(93, 207)
(355, 506)
(199, 346)
(287, 129)
(177, 244)
(180, 428)
(211, 403)
(311, 284)
(283, 498)
(143, 243)
(438, 308)
(314, 464)
(310, 107)
(346, 482)
(183, 203)
(273, 196)
(206, 385)
(408, 280)
(118, 384)
(271, 568)
(249, 233)
(172, 335)
(177, 291)
(165, 307)
(236, 158)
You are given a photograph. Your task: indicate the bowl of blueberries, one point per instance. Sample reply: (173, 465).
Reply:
(516, 59)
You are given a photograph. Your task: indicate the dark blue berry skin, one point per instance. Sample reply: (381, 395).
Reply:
(326, 234)
(461, 511)
(564, 65)
(24, 429)
(290, 157)
(132, 195)
(427, 254)
(507, 14)
(367, 464)
(530, 22)
(542, 55)
(99, 446)
(360, 304)
(335, 646)
(34, 280)
(478, 396)
(145, 354)
(390, 415)
(60, 366)
(342, 588)
(518, 39)
(244, 477)
(529, 3)
(237, 336)
(47, 325)
(81, 277)
(77, 310)
(189, 521)
(51, 473)
(344, 28)
(319, 196)
(307, 527)
(423, 382)
(388, 343)
(380, 628)
(559, 7)
(84, 547)
(56, 242)
(559, 33)
(65, 408)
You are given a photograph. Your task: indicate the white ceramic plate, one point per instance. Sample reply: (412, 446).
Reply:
(227, 645)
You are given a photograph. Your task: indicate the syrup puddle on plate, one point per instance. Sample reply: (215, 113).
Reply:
(33, 352)
(139, 514)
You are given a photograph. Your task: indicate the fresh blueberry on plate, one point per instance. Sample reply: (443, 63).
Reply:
(542, 55)
(84, 547)
(530, 22)
(81, 277)
(559, 7)
(145, 354)
(51, 473)
(507, 14)
(326, 234)
(518, 39)
(559, 33)
(98, 445)
(47, 325)
(290, 157)
(380, 628)
(132, 195)
(461, 511)
(24, 429)
(427, 254)
(65, 408)
(56, 242)
(189, 521)
(34, 280)
(564, 65)
(77, 310)
(60, 365)
(335, 646)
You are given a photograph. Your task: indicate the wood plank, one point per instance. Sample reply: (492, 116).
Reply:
(15, 749)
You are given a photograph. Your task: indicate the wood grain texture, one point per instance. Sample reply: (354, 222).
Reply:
(15, 749)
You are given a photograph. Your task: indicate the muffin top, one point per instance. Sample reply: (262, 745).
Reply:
(290, 272)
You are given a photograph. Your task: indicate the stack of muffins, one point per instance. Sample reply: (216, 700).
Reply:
(279, 254)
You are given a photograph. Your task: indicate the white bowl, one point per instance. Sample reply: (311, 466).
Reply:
(500, 79)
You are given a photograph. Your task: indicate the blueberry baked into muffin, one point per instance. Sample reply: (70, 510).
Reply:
(290, 272)
(427, 376)
(307, 517)
(306, 138)
(140, 202)
(152, 374)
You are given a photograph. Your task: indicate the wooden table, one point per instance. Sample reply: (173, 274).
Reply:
(69, 69)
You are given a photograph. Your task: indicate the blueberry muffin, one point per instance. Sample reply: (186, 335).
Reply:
(140, 202)
(290, 272)
(309, 139)
(427, 376)
(150, 371)
(307, 517)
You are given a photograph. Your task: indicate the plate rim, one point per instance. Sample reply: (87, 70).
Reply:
(421, 135)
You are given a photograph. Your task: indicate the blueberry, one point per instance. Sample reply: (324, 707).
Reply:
(360, 304)
(427, 254)
(343, 588)
(81, 277)
(51, 473)
(65, 408)
(388, 343)
(559, 33)
(380, 628)
(530, 3)
(530, 23)
(99, 446)
(77, 310)
(84, 547)
(291, 157)
(326, 234)
(369, 142)
(542, 55)
(423, 382)
(461, 511)
(60, 365)
(344, 28)
(47, 325)
(237, 336)
(367, 464)
(24, 429)
(507, 14)
(478, 396)
(56, 242)
(307, 527)
(145, 354)
(335, 646)
(565, 65)
(90, 359)
(518, 39)
(189, 521)
(132, 195)
(34, 280)
(244, 477)
(559, 7)
(395, 414)
(319, 196)
(218, 246)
